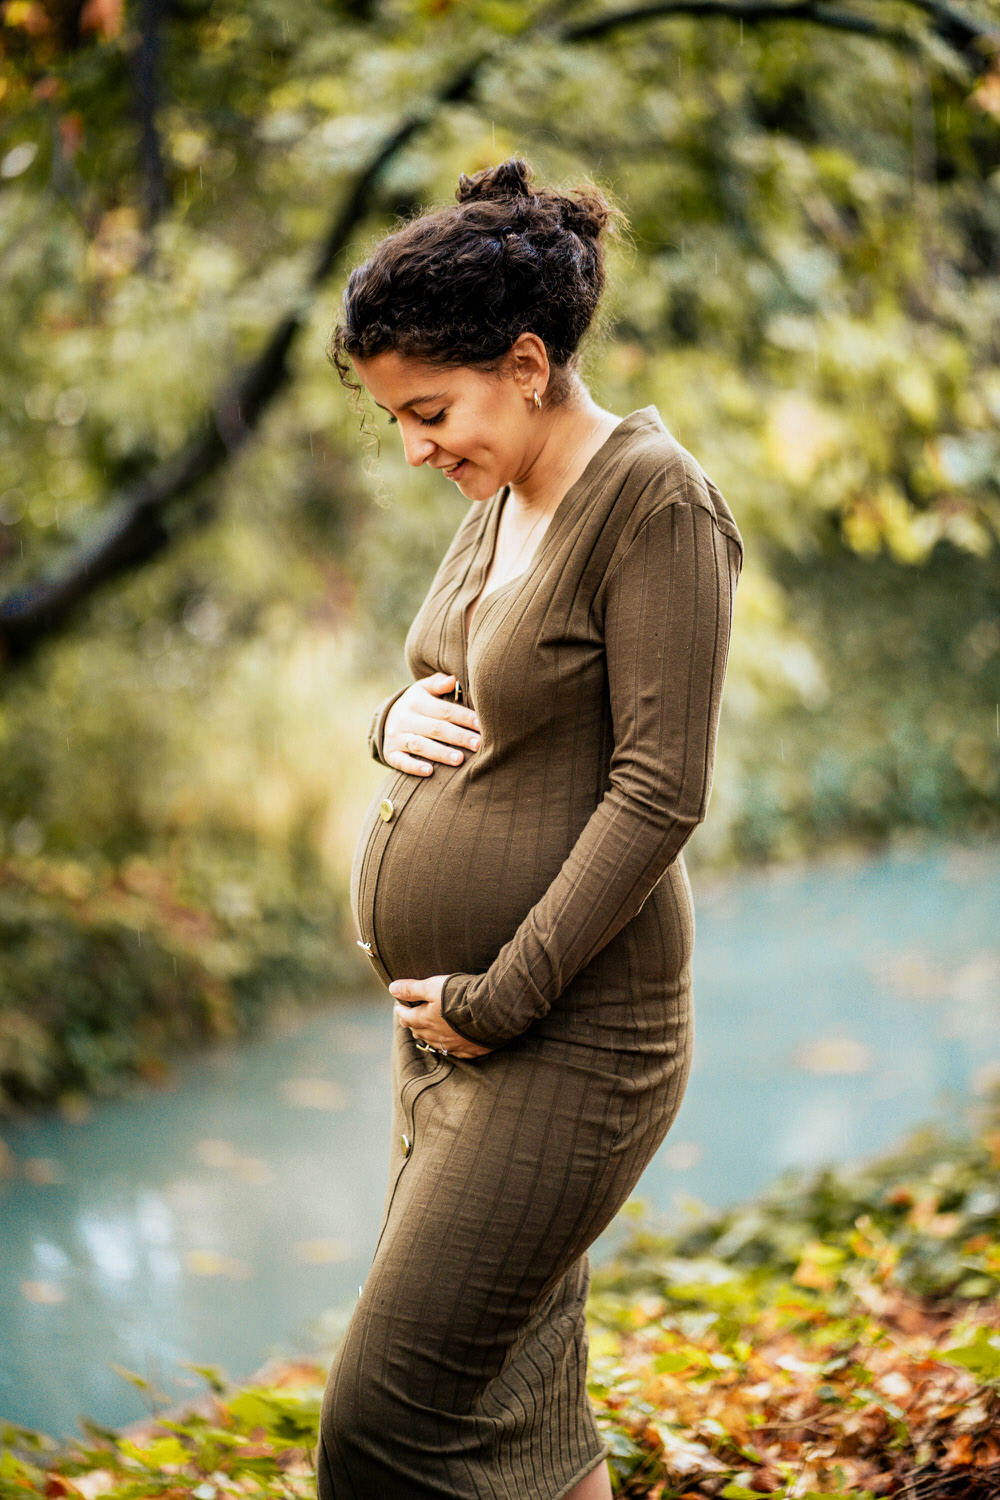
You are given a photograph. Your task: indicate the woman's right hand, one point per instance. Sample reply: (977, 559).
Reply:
(424, 725)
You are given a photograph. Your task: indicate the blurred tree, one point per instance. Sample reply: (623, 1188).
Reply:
(55, 73)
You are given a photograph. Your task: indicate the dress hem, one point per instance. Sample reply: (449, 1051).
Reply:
(582, 1474)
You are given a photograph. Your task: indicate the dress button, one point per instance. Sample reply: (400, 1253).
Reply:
(386, 811)
(404, 1141)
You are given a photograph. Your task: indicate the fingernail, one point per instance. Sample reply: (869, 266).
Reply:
(455, 756)
(394, 990)
(476, 722)
(473, 742)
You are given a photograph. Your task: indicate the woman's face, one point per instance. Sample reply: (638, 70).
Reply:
(474, 426)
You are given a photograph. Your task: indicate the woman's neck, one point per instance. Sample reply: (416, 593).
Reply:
(573, 432)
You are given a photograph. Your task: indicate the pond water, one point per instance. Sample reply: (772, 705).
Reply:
(232, 1216)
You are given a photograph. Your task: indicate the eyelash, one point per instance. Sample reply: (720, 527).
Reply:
(424, 421)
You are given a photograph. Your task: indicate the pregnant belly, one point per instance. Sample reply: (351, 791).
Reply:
(446, 867)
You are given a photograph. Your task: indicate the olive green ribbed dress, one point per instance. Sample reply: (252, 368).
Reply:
(544, 876)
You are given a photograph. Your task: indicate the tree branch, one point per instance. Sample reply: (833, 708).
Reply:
(750, 11)
(145, 72)
(973, 42)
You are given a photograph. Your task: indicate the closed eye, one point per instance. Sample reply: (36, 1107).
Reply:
(424, 421)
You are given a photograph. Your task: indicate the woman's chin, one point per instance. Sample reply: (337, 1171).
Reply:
(473, 483)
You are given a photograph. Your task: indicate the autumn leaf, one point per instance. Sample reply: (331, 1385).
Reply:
(105, 18)
(46, 1293)
(314, 1093)
(209, 1263)
(981, 1356)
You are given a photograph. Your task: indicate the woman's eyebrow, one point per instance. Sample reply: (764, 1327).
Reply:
(414, 401)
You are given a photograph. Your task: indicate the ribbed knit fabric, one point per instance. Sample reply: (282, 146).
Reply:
(545, 876)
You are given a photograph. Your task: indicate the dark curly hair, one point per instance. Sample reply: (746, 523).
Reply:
(457, 286)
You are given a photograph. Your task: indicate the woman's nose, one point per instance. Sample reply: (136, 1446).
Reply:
(417, 447)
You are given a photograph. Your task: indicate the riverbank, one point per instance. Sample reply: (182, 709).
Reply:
(838, 1335)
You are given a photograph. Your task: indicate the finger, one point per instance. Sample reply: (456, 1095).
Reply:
(409, 991)
(441, 726)
(437, 688)
(439, 682)
(437, 739)
(446, 744)
(400, 761)
(442, 710)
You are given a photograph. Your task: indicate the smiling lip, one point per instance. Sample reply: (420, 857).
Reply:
(454, 470)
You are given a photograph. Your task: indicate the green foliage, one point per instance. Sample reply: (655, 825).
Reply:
(929, 1213)
(861, 705)
(177, 813)
(257, 1441)
(981, 1356)
(108, 969)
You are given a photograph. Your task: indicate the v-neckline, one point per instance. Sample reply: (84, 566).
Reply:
(479, 599)
(490, 531)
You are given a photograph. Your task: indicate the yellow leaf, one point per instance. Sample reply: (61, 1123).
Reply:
(314, 1093)
(322, 1252)
(47, 1293)
(834, 1054)
(215, 1153)
(208, 1263)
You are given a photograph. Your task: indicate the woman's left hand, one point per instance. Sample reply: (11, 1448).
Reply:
(418, 1007)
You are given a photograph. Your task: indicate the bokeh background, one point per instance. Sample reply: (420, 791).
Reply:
(209, 554)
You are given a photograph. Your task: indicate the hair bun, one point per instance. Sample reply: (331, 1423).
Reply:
(510, 179)
(586, 214)
(459, 285)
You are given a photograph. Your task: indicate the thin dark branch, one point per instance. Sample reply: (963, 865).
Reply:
(967, 36)
(357, 203)
(752, 12)
(972, 41)
(146, 78)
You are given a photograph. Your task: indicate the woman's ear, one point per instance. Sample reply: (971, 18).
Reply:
(529, 364)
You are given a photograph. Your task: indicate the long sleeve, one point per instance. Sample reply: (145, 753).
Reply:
(667, 619)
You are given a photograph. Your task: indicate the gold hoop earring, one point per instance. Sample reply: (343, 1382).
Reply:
(537, 400)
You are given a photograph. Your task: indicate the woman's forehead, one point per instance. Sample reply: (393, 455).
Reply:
(401, 377)
(401, 381)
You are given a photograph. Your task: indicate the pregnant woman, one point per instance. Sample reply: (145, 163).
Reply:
(518, 883)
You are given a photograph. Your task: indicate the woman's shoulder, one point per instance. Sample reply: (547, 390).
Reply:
(655, 470)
